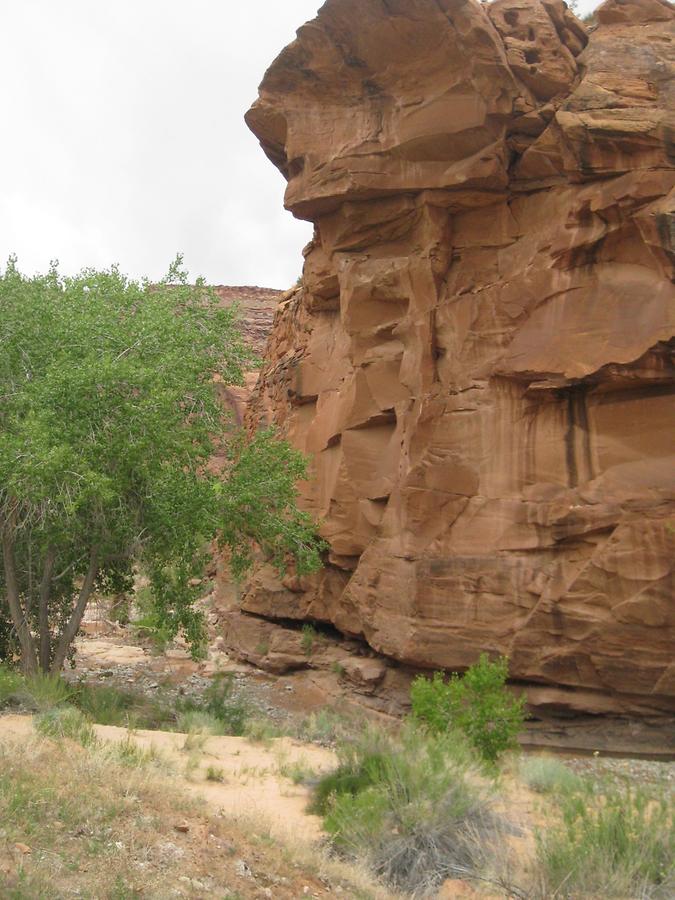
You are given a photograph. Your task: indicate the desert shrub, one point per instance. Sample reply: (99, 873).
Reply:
(327, 727)
(65, 722)
(47, 691)
(197, 721)
(299, 772)
(104, 704)
(37, 692)
(410, 807)
(361, 765)
(11, 684)
(218, 710)
(617, 844)
(108, 705)
(262, 731)
(128, 753)
(308, 639)
(479, 704)
(222, 705)
(547, 775)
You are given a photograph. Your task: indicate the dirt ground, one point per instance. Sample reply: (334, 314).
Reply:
(112, 658)
(253, 796)
(174, 832)
(250, 785)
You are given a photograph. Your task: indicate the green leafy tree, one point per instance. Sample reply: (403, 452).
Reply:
(478, 703)
(108, 418)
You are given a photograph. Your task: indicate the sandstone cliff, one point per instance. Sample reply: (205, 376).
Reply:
(480, 359)
(257, 307)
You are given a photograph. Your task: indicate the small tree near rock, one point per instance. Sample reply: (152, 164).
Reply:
(478, 704)
(107, 423)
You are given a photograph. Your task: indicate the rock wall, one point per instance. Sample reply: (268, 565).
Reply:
(257, 307)
(479, 361)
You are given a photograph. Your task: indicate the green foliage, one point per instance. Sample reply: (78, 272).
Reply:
(547, 775)
(108, 705)
(433, 701)
(218, 712)
(362, 765)
(196, 721)
(258, 502)
(410, 807)
(107, 424)
(11, 684)
(65, 722)
(119, 609)
(298, 772)
(128, 753)
(478, 704)
(309, 636)
(150, 623)
(620, 843)
(104, 705)
(261, 731)
(8, 645)
(37, 692)
(47, 691)
(220, 703)
(326, 727)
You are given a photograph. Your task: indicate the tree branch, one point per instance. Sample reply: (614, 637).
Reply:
(29, 656)
(73, 626)
(43, 611)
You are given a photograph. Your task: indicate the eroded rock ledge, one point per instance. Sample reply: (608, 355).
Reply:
(480, 359)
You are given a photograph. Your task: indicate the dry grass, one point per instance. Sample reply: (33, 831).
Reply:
(413, 809)
(91, 822)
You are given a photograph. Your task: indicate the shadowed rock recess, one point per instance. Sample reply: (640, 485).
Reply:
(479, 360)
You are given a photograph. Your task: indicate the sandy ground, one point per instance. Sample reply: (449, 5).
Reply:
(252, 787)
(108, 652)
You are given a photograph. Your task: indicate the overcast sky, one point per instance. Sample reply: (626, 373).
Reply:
(124, 140)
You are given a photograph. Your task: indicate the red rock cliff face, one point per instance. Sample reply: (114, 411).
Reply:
(480, 360)
(257, 307)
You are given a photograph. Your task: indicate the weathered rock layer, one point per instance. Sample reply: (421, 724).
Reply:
(257, 307)
(479, 361)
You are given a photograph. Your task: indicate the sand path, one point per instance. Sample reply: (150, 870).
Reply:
(257, 784)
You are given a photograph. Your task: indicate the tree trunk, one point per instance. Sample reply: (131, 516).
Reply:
(71, 629)
(43, 612)
(28, 654)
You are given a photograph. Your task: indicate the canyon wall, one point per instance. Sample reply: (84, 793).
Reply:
(479, 361)
(257, 307)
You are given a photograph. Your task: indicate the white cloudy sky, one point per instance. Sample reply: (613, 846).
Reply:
(124, 141)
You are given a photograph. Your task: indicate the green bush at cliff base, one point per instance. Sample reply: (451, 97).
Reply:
(478, 704)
